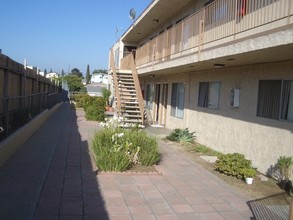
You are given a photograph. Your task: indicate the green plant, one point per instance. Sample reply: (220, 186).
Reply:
(78, 98)
(149, 153)
(181, 136)
(107, 157)
(248, 172)
(232, 164)
(284, 164)
(106, 93)
(94, 108)
(118, 149)
(202, 149)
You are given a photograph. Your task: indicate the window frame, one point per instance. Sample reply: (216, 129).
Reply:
(273, 96)
(149, 97)
(177, 100)
(204, 95)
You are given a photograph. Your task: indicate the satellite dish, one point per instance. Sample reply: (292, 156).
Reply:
(132, 14)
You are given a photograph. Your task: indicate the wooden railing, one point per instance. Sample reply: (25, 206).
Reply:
(126, 61)
(116, 86)
(137, 86)
(222, 18)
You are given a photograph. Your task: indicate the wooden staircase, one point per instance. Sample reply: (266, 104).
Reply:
(128, 96)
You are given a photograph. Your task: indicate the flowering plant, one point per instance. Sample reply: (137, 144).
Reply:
(118, 148)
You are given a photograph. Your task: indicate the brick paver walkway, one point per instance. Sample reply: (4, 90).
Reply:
(52, 177)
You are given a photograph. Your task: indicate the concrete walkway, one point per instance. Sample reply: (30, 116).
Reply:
(52, 177)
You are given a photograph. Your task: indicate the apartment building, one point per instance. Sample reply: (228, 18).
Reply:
(222, 68)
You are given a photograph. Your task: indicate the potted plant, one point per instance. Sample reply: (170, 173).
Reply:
(284, 165)
(248, 174)
(106, 93)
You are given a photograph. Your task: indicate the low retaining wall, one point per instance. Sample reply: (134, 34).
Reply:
(19, 137)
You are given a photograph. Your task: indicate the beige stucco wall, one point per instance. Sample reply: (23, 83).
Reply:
(230, 129)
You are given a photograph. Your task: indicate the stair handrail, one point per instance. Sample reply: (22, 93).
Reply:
(137, 86)
(116, 85)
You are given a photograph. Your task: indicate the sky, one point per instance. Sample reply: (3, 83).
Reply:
(64, 34)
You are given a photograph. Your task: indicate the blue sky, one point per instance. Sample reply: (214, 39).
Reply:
(63, 34)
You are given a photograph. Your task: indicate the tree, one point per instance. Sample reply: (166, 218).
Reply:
(74, 83)
(51, 71)
(88, 76)
(45, 73)
(62, 73)
(76, 72)
(100, 71)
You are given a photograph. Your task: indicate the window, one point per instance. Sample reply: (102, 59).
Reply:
(177, 100)
(208, 95)
(287, 100)
(149, 96)
(275, 99)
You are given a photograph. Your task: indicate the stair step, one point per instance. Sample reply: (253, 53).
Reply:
(127, 106)
(127, 90)
(125, 76)
(133, 120)
(125, 87)
(132, 111)
(126, 80)
(134, 98)
(124, 72)
(131, 103)
(127, 94)
(126, 83)
(131, 116)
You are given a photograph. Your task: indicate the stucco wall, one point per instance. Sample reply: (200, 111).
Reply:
(230, 129)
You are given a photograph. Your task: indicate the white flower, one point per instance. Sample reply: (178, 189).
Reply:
(113, 137)
(120, 135)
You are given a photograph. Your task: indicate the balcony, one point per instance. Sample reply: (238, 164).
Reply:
(222, 23)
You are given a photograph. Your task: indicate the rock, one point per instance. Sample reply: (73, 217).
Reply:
(263, 178)
(210, 159)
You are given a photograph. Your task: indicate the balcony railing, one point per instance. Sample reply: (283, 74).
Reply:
(221, 19)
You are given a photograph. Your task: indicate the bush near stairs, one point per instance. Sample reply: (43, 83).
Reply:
(94, 107)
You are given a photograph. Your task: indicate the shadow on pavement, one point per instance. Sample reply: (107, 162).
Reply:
(51, 176)
(271, 208)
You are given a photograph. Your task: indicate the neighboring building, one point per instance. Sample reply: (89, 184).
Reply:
(105, 79)
(99, 78)
(221, 68)
(52, 75)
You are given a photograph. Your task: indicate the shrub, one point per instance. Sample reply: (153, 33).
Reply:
(181, 136)
(94, 108)
(202, 149)
(106, 93)
(232, 164)
(149, 153)
(248, 172)
(109, 158)
(117, 149)
(78, 99)
(284, 165)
